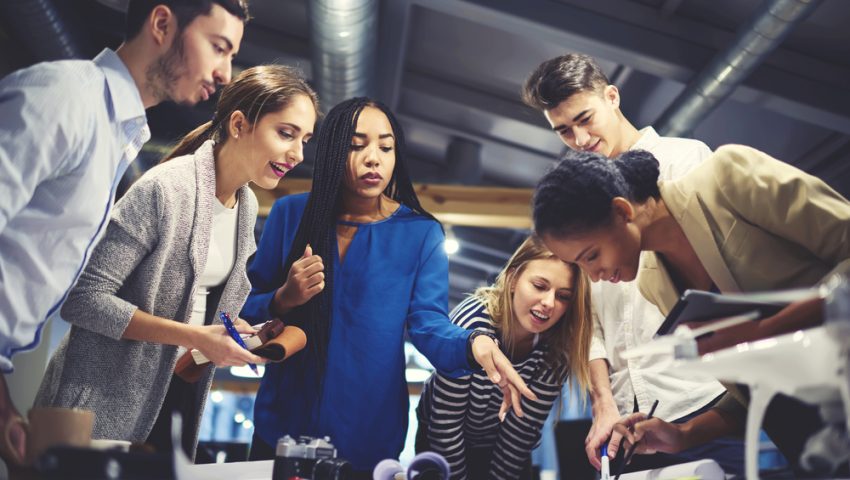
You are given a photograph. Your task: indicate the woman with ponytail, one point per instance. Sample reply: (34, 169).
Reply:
(741, 221)
(173, 256)
(385, 271)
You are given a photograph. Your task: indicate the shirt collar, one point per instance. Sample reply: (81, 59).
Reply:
(126, 99)
(648, 139)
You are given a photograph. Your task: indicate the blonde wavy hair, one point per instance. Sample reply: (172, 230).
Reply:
(568, 340)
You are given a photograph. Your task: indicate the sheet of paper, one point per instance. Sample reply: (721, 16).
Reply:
(260, 470)
(704, 469)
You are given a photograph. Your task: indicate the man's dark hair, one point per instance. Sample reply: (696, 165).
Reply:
(184, 10)
(557, 79)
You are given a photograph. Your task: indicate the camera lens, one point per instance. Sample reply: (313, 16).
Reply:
(331, 469)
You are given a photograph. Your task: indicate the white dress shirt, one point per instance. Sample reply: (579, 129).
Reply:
(68, 131)
(623, 319)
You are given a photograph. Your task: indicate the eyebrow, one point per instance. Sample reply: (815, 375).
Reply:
(225, 39)
(296, 127)
(380, 137)
(559, 128)
(581, 253)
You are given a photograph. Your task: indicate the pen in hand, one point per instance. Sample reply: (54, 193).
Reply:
(605, 472)
(228, 324)
(631, 452)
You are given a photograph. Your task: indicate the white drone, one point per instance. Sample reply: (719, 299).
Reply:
(812, 365)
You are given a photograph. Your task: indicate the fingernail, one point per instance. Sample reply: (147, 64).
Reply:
(496, 378)
(502, 416)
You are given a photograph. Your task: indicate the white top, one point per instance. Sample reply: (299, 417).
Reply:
(623, 319)
(220, 259)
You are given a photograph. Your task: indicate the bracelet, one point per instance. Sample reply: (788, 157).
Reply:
(470, 358)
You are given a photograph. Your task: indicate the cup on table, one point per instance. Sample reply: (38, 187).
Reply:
(50, 426)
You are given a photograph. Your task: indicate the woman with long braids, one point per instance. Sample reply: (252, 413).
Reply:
(383, 269)
(173, 256)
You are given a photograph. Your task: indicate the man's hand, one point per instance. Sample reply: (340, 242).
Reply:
(600, 432)
(14, 434)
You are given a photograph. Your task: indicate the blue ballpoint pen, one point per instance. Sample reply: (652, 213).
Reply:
(228, 324)
(605, 472)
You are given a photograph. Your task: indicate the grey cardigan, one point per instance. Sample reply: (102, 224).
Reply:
(150, 258)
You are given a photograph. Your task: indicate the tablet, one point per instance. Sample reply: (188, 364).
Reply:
(702, 306)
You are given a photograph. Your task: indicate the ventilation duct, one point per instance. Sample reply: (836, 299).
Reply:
(344, 42)
(767, 29)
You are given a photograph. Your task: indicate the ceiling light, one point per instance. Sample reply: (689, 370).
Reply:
(452, 245)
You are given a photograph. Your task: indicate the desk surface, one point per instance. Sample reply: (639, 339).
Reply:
(259, 470)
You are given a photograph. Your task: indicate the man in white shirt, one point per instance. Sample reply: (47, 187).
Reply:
(582, 107)
(68, 131)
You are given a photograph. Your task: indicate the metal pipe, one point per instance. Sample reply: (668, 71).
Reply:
(344, 42)
(40, 26)
(754, 42)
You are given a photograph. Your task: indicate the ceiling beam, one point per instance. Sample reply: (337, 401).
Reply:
(501, 161)
(451, 204)
(392, 50)
(791, 84)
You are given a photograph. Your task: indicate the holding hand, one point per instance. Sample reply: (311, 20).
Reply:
(653, 435)
(305, 280)
(13, 447)
(217, 345)
(600, 432)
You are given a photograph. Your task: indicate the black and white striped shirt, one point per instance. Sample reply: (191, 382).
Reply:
(463, 412)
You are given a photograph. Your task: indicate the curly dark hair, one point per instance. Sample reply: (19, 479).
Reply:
(575, 196)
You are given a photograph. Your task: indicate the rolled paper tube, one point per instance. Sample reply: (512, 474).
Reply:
(291, 341)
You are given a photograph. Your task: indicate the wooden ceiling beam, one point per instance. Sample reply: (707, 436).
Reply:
(491, 207)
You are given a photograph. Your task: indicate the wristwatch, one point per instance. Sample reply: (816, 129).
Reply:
(470, 358)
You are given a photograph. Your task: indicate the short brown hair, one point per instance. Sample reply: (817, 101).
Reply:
(558, 79)
(184, 10)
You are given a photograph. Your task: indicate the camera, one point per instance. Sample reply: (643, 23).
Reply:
(308, 458)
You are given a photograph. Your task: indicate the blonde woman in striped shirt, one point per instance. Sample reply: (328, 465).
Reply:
(539, 311)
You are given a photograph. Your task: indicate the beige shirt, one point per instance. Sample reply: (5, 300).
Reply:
(755, 223)
(623, 319)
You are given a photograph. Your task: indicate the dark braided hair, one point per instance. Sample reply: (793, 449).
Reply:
(318, 223)
(576, 195)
